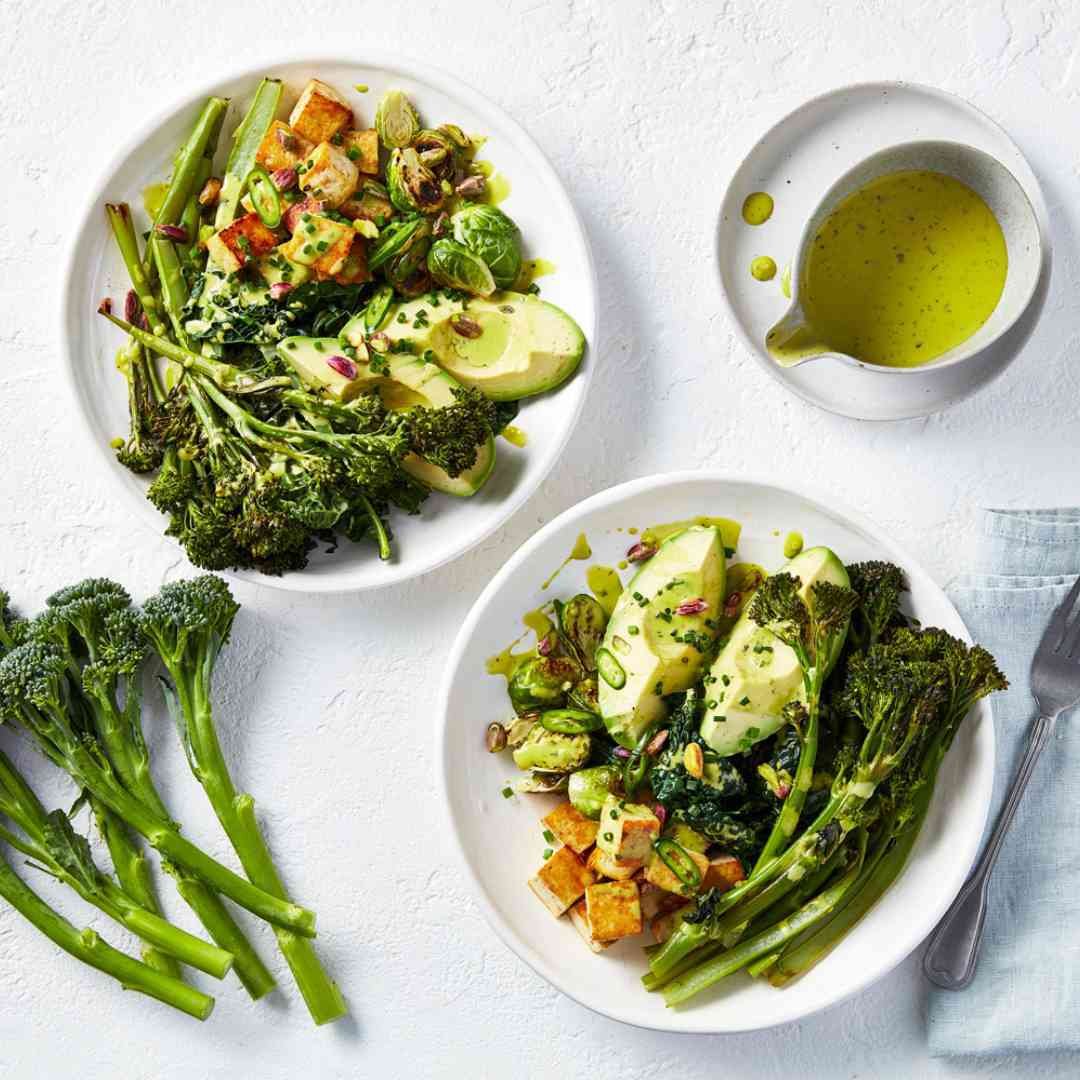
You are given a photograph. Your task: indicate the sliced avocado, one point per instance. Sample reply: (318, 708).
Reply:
(648, 650)
(509, 346)
(756, 675)
(403, 382)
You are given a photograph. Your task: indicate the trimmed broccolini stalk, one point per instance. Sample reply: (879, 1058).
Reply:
(246, 140)
(50, 842)
(188, 623)
(88, 947)
(119, 215)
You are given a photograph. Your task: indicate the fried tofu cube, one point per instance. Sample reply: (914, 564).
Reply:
(571, 827)
(246, 238)
(369, 203)
(658, 873)
(657, 902)
(320, 113)
(282, 148)
(613, 909)
(362, 148)
(663, 926)
(627, 830)
(561, 881)
(355, 269)
(328, 175)
(579, 916)
(316, 237)
(724, 872)
(604, 865)
(276, 268)
(331, 262)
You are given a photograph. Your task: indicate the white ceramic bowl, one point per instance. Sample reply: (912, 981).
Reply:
(550, 227)
(501, 842)
(877, 392)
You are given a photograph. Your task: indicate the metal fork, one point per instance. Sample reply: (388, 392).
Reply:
(953, 953)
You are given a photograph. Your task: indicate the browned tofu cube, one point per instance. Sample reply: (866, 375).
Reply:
(663, 926)
(332, 260)
(658, 873)
(362, 149)
(613, 910)
(320, 113)
(571, 827)
(626, 830)
(604, 865)
(561, 881)
(657, 902)
(246, 238)
(579, 916)
(723, 872)
(369, 205)
(282, 148)
(355, 269)
(328, 175)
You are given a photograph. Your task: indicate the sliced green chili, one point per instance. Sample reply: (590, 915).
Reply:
(611, 671)
(677, 859)
(571, 721)
(377, 307)
(265, 197)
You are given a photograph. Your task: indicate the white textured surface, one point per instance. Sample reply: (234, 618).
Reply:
(645, 109)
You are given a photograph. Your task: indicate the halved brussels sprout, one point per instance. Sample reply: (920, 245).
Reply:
(541, 783)
(461, 141)
(412, 185)
(455, 266)
(397, 238)
(585, 695)
(438, 152)
(395, 120)
(589, 788)
(486, 231)
(582, 622)
(541, 682)
(550, 751)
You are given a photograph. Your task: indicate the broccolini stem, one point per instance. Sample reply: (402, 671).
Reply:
(787, 821)
(222, 927)
(236, 813)
(133, 872)
(119, 215)
(680, 990)
(85, 945)
(174, 290)
(381, 534)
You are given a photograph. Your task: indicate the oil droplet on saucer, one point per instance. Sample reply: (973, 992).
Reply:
(757, 208)
(763, 268)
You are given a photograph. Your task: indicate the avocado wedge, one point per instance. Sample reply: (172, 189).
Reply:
(649, 649)
(756, 675)
(403, 382)
(509, 346)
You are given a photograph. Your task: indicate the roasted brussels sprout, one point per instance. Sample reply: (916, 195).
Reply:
(550, 751)
(589, 788)
(395, 120)
(541, 682)
(455, 266)
(438, 152)
(541, 783)
(582, 622)
(412, 185)
(585, 695)
(486, 231)
(462, 143)
(397, 238)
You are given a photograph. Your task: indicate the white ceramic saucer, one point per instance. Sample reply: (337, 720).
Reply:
(796, 161)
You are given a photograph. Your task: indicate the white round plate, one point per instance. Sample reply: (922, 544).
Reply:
(798, 160)
(550, 228)
(500, 839)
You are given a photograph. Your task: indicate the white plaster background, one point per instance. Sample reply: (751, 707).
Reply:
(645, 109)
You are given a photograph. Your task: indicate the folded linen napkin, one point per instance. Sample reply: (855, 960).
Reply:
(1026, 993)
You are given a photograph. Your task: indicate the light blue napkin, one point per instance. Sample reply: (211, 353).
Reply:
(1026, 993)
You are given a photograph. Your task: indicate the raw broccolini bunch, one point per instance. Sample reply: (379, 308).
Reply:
(70, 678)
